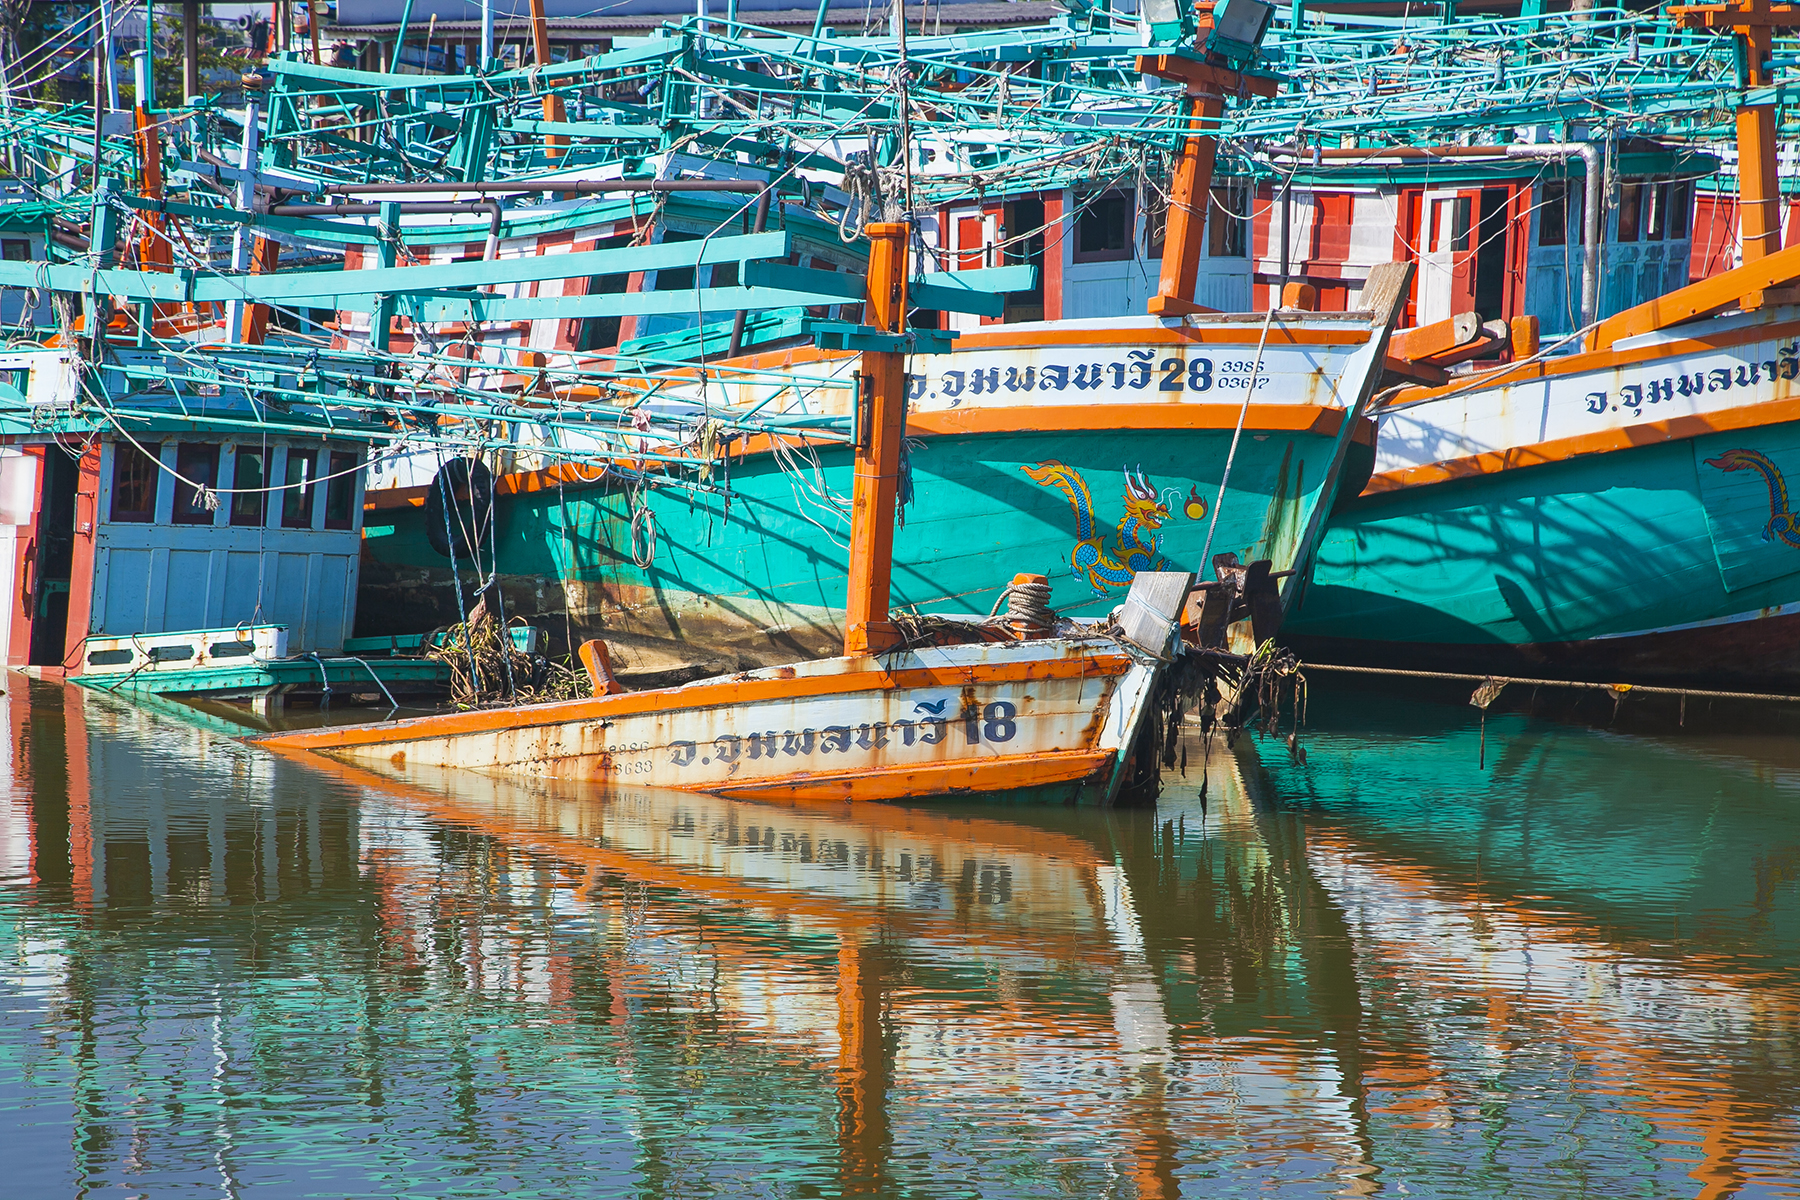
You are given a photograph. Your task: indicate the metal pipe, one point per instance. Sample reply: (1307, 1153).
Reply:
(576, 186)
(1591, 225)
(422, 207)
(487, 35)
(1359, 154)
(400, 36)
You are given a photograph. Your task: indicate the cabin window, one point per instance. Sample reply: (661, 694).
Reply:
(1228, 221)
(199, 462)
(135, 475)
(340, 490)
(602, 333)
(1656, 212)
(1022, 224)
(249, 507)
(15, 250)
(1561, 205)
(675, 279)
(1553, 202)
(297, 496)
(1631, 199)
(1681, 203)
(1156, 223)
(1104, 226)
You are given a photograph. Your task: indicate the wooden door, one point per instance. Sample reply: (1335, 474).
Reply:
(1447, 253)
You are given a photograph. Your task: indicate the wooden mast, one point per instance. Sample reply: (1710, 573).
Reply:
(1759, 191)
(1184, 237)
(553, 103)
(881, 424)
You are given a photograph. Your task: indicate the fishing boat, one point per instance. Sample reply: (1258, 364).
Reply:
(895, 717)
(1085, 449)
(155, 543)
(1621, 513)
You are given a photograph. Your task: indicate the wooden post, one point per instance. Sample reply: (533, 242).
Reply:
(153, 250)
(1759, 191)
(1190, 189)
(553, 104)
(1184, 238)
(881, 407)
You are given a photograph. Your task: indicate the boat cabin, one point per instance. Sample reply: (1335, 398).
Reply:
(1492, 234)
(150, 527)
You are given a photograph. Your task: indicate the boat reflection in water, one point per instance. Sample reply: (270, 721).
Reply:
(226, 971)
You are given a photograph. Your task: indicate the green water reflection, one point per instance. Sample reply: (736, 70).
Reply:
(1386, 971)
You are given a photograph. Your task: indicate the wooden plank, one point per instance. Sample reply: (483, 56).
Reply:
(774, 274)
(1422, 372)
(938, 298)
(187, 285)
(1152, 607)
(1201, 76)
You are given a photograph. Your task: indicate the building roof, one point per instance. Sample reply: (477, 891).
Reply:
(651, 14)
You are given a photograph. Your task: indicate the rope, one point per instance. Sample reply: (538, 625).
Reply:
(1238, 433)
(1027, 603)
(1616, 690)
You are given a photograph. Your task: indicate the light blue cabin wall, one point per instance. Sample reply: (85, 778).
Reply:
(17, 307)
(159, 577)
(1124, 288)
(1631, 273)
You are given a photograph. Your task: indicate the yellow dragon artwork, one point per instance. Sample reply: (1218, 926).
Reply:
(1132, 551)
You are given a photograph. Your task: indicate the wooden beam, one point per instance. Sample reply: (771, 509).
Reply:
(1204, 77)
(1759, 191)
(881, 409)
(1184, 234)
(1438, 337)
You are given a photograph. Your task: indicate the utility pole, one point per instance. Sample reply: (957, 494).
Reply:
(190, 50)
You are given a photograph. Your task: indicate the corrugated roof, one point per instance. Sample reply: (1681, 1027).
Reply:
(985, 13)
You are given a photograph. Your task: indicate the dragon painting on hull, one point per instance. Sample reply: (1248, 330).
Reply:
(1131, 550)
(1783, 523)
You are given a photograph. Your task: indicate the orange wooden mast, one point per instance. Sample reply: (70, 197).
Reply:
(553, 103)
(1191, 182)
(1759, 192)
(881, 424)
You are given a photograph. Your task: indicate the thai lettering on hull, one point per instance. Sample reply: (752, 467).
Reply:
(993, 723)
(1098, 372)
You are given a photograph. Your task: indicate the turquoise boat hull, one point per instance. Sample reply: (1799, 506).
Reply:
(749, 568)
(1663, 563)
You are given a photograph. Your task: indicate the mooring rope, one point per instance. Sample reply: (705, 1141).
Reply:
(1616, 690)
(1237, 434)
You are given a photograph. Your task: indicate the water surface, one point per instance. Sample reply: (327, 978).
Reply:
(1392, 970)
